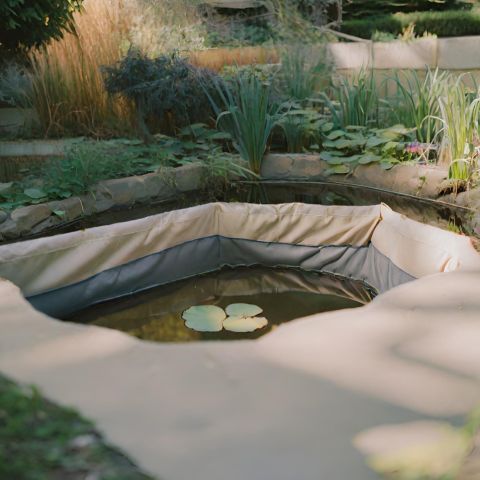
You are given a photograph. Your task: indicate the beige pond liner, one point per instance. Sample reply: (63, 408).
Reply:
(285, 406)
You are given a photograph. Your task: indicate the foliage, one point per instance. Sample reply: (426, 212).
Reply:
(304, 70)
(356, 100)
(451, 23)
(301, 129)
(417, 102)
(372, 8)
(31, 23)
(37, 441)
(344, 149)
(246, 110)
(459, 113)
(166, 87)
(89, 162)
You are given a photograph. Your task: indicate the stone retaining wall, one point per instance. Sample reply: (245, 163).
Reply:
(457, 53)
(108, 194)
(423, 181)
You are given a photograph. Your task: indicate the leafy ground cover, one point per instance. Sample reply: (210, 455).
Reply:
(43, 441)
(91, 161)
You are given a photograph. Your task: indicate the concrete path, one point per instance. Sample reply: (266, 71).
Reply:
(285, 407)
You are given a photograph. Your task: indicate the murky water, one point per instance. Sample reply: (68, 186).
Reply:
(283, 294)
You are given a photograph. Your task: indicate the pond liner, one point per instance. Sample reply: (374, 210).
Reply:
(211, 254)
(65, 273)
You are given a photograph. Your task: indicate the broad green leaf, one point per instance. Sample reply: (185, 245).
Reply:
(328, 156)
(337, 170)
(243, 310)
(351, 158)
(368, 158)
(390, 145)
(326, 127)
(204, 318)
(244, 324)
(59, 213)
(34, 193)
(376, 141)
(335, 134)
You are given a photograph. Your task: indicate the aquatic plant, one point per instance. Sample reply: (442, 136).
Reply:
(416, 103)
(301, 129)
(246, 110)
(237, 317)
(344, 149)
(355, 100)
(459, 114)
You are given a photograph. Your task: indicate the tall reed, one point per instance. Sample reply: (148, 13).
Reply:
(417, 101)
(245, 110)
(459, 114)
(356, 100)
(67, 84)
(304, 71)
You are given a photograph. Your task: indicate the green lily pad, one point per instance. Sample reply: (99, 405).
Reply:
(204, 318)
(243, 310)
(244, 324)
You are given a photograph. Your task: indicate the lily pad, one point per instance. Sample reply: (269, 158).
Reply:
(243, 310)
(244, 324)
(204, 318)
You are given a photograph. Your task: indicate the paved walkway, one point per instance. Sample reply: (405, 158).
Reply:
(287, 406)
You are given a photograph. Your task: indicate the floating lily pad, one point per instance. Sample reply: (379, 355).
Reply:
(204, 318)
(244, 324)
(243, 310)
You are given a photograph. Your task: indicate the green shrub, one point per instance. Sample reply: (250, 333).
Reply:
(368, 8)
(31, 23)
(450, 23)
(167, 88)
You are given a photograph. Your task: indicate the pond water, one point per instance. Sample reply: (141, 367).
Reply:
(282, 294)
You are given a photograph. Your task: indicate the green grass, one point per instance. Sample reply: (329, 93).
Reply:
(42, 441)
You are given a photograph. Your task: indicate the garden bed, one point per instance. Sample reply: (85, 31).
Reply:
(106, 195)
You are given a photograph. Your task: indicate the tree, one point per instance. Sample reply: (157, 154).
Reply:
(32, 23)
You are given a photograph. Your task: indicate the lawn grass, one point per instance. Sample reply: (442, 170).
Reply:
(40, 440)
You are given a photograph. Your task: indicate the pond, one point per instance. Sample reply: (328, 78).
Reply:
(282, 294)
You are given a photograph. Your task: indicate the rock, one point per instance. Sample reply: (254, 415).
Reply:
(470, 198)
(190, 177)
(103, 198)
(276, 166)
(72, 208)
(46, 224)
(3, 216)
(27, 217)
(159, 184)
(8, 229)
